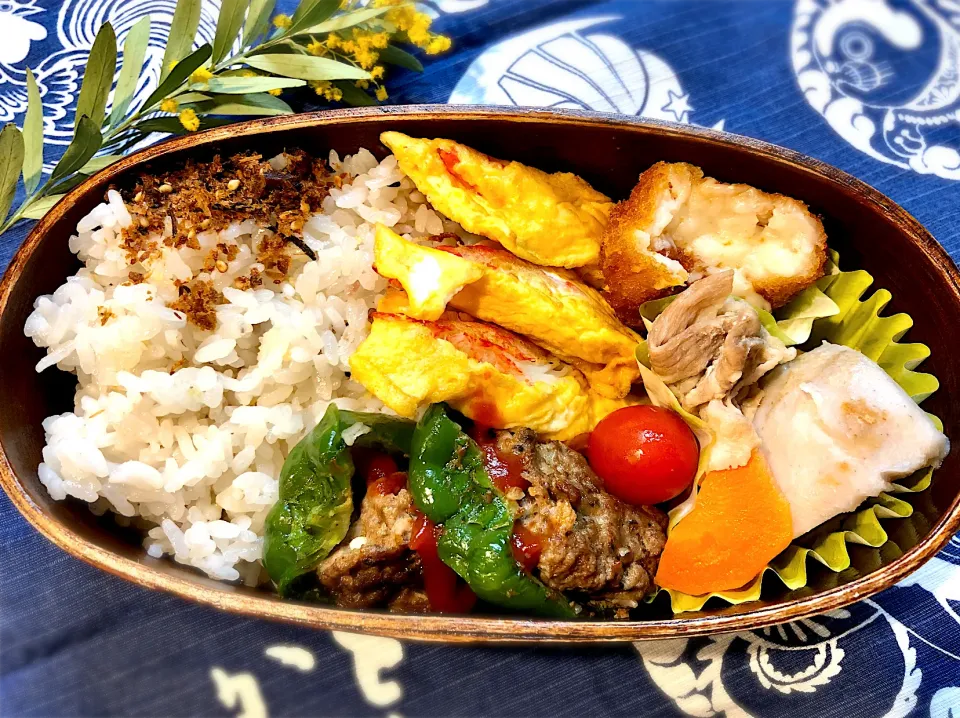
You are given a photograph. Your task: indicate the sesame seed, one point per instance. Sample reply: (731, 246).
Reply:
(233, 184)
(221, 266)
(165, 188)
(138, 196)
(144, 222)
(205, 224)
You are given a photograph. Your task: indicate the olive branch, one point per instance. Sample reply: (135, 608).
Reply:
(339, 48)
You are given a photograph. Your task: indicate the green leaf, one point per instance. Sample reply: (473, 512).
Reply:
(243, 85)
(171, 125)
(307, 67)
(189, 97)
(183, 30)
(258, 19)
(98, 76)
(134, 52)
(67, 183)
(84, 145)
(770, 324)
(229, 23)
(353, 95)
(401, 58)
(11, 162)
(342, 22)
(303, 8)
(32, 136)
(260, 104)
(281, 47)
(36, 210)
(311, 12)
(120, 143)
(383, 25)
(178, 76)
(98, 163)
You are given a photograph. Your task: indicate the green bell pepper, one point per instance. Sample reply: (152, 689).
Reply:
(451, 487)
(313, 512)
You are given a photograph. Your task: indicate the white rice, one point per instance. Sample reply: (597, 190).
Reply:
(196, 453)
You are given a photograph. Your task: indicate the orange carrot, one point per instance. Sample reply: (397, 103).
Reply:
(740, 522)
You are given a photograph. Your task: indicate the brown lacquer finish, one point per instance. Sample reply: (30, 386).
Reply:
(869, 231)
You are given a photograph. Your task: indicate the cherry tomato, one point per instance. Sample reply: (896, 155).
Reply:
(644, 454)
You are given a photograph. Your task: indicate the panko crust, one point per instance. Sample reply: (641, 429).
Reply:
(632, 277)
(677, 213)
(780, 290)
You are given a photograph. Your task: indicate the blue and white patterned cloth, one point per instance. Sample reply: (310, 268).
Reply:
(871, 86)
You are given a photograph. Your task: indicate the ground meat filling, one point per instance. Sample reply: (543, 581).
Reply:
(594, 546)
(375, 566)
(601, 552)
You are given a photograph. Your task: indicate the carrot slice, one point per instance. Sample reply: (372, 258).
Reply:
(740, 522)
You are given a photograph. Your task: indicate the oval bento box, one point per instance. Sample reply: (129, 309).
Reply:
(869, 231)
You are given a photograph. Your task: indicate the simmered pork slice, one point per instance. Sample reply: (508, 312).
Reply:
(708, 345)
(375, 566)
(593, 545)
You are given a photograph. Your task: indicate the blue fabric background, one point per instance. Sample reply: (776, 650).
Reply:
(77, 642)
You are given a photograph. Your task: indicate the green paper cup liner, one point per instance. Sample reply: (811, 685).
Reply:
(837, 310)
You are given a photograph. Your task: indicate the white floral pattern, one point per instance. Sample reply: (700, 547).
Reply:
(562, 65)
(886, 77)
(809, 664)
(59, 73)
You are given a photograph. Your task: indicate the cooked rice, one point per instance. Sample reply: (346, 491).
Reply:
(185, 430)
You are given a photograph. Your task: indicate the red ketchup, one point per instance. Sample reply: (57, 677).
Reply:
(449, 159)
(526, 547)
(391, 484)
(377, 466)
(447, 593)
(504, 470)
(485, 415)
(382, 475)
